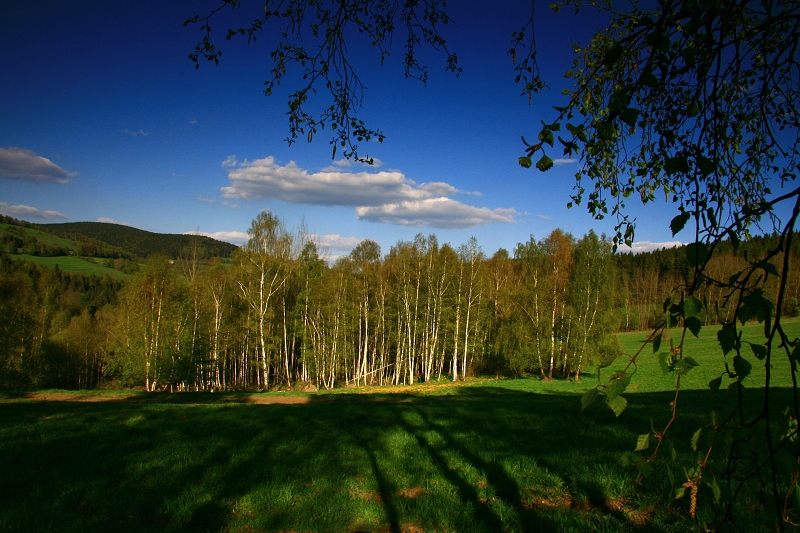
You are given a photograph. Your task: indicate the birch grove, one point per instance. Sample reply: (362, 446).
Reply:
(279, 316)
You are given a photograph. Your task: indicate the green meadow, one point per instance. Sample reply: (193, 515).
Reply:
(488, 455)
(74, 265)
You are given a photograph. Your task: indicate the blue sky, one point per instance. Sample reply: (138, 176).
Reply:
(104, 118)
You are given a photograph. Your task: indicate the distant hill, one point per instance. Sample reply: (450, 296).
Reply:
(143, 243)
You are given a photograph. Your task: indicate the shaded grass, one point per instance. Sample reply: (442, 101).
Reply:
(485, 458)
(488, 455)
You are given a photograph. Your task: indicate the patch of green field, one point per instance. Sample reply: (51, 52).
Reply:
(71, 264)
(45, 238)
(479, 458)
(706, 351)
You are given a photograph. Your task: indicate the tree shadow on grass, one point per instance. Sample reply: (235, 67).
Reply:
(132, 466)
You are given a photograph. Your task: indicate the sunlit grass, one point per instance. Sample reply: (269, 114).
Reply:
(75, 265)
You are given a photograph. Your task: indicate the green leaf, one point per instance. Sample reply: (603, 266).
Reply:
(673, 165)
(525, 162)
(617, 385)
(648, 79)
(657, 343)
(544, 164)
(547, 136)
(605, 362)
(617, 404)
(662, 360)
(588, 398)
(685, 365)
(768, 267)
(679, 222)
(706, 165)
(696, 253)
(693, 110)
(759, 350)
(619, 100)
(742, 367)
(695, 438)
(727, 338)
(630, 116)
(715, 490)
(606, 131)
(679, 493)
(694, 325)
(715, 383)
(613, 55)
(692, 306)
(643, 442)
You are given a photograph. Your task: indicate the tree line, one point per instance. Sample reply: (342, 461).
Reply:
(280, 316)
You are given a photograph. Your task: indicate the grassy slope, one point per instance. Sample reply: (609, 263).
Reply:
(71, 264)
(45, 238)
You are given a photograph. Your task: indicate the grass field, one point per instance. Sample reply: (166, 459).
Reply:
(71, 264)
(505, 455)
(46, 238)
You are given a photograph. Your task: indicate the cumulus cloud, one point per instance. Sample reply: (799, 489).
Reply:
(346, 163)
(107, 220)
(263, 178)
(136, 133)
(230, 162)
(21, 164)
(233, 237)
(564, 161)
(385, 196)
(26, 211)
(435, 212)
(647, 246)
(333, 246)
(543, 217)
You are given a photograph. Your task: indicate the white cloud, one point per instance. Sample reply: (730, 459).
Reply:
(233, 237)
(435, 212)
(647, 246)
(21, 164)
(263, 178)
(345, 163)
(206, 200)
(230, 162)
(385, 196)
(333, 246)
(543, 217)
(107, 220)
(136, 133)
(26, 211)
(192, 121)
(564, 161)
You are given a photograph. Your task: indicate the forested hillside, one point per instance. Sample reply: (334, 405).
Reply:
(280, 316)
(142, 243)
